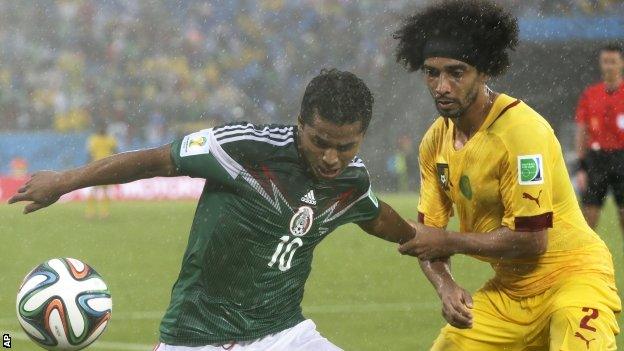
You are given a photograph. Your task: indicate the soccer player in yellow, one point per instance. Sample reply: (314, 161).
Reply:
(499, 163)
(99, 145)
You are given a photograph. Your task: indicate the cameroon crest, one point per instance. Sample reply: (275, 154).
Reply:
(444, 176)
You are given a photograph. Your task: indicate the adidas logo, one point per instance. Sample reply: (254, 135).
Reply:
(309, 198)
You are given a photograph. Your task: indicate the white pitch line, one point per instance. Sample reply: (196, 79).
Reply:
(314, 309)
(371, 307)
(106, 345)
(318, 309)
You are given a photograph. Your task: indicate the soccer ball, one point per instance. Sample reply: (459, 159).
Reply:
(63, 304)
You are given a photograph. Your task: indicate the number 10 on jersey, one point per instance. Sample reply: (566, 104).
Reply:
(285, 255)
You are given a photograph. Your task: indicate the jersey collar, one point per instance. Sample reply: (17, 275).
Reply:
(502, 103)
(612, 92)
(300, 157)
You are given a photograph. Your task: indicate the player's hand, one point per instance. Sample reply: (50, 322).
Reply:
(456, 306)
(41, 190)
(429, 243)
(581, 180)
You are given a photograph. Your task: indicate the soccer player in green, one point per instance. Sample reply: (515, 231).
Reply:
(272, 194)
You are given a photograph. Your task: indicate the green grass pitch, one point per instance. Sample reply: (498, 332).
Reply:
(362, 294)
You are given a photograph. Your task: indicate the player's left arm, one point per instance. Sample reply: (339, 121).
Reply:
(377, 217)
(388, 225)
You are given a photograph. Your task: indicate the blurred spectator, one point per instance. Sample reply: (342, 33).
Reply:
(99, 146)
(19, 167)
(410, 153)
(403, 165)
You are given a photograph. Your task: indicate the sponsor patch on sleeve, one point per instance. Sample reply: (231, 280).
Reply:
(530, 169)
(195, 144)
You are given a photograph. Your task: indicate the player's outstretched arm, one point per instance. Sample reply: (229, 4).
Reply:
(430, 243)
(389, 225)
(46, 187)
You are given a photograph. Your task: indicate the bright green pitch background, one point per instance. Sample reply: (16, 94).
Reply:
(362, 294)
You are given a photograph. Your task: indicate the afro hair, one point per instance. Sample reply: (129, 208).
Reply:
(489, 29)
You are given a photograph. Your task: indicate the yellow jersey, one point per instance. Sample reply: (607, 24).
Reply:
(511, 173)
(101, 146)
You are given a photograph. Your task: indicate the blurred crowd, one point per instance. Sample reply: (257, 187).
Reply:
(532, 8)
(150, 69)
(138, 66)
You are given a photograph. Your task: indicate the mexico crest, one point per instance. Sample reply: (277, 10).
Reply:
(301, 221)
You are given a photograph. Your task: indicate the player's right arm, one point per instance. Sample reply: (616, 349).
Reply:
(46, 187)
(434, 210)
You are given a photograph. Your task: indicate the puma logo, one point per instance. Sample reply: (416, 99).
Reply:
(530, 197)
(579, 335)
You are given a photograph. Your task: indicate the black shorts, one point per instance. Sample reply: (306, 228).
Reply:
(605, 170)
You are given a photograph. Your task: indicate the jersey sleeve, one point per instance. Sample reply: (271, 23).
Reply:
(366, 206)
(582, 109)
(434, 206)
(200, 155)
(527, 177)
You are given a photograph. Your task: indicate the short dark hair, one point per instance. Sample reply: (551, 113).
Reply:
(489, 29)
(339, 97)
(612, 47)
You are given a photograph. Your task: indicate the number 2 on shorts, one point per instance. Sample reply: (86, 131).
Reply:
(585, 321)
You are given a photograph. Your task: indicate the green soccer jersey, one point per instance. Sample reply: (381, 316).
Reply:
(259, 218)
